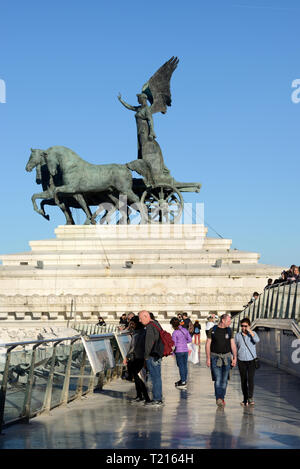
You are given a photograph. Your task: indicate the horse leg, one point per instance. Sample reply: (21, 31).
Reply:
(40, 195)
(67, 212)
(81, 200)
(64, 207)
(42, 205)
(68, 215)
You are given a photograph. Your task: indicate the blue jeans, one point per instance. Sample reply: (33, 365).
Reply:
(154, 368)
(220, 374)
(182, 363)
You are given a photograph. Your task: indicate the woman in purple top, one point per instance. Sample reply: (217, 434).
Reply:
(181, 338)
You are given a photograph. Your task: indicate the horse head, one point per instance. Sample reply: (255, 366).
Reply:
(50, 158)
(37, 158)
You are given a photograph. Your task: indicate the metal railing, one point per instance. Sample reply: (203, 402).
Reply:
(36, 376)
(90, 329)
(280, 301)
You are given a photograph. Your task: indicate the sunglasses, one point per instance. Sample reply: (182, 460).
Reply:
(244, 325)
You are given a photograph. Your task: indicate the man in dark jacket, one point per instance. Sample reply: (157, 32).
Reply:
(123, 321)
(153, 355)
(135, 359)
(187, 323)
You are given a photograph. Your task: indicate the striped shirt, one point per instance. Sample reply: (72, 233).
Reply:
(243, 353)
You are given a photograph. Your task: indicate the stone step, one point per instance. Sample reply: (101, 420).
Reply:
(127, 244)
(138, 257)
(131, 231)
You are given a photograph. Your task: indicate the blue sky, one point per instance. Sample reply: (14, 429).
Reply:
(232, 125)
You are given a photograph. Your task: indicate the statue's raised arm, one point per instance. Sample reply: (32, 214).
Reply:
(128, 106)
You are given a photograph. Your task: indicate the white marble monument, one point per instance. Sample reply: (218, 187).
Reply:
(105, 270)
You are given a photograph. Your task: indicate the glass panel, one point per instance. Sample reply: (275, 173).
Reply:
(87, 374)
(124, 342)
(62, 354)
(16, 386)
(284, 302)
(77, 356)
(41, 375)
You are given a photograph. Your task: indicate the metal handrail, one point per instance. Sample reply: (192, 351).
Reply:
(38, 342)
(61, 339)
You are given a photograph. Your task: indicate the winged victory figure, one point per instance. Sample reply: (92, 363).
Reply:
(156, 90)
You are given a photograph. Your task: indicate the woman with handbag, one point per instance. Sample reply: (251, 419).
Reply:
(246, 341)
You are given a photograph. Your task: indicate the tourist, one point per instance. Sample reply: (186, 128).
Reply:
(187, 323)
(197, 331)
(129, 317)
(123, 323)
(246, 341)
(181, 338)
(293, 274)
(153, 356)
(209, 324)
(220, 356)
(180, 319)
(282, 278)
(270, 281)
(254, 297)
(101, 321)
(135, 359)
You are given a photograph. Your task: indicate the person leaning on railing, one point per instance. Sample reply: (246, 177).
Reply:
(253, 298)
(270, 281)
(293, 274)
(101, 321)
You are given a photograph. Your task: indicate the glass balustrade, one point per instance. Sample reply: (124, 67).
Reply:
(40, 375)
(281, 301)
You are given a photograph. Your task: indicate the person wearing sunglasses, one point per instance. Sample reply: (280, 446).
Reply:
(246, 341)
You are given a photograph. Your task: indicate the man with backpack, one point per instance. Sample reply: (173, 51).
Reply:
(154, 351)
(221, 354)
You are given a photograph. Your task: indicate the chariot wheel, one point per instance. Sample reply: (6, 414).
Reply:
(161, 204)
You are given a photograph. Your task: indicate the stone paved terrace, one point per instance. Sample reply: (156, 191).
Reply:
(189, 418)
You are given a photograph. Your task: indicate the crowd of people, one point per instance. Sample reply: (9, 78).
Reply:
(287, 276)
(223, 352)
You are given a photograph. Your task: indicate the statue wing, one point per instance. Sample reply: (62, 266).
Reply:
(157, 88)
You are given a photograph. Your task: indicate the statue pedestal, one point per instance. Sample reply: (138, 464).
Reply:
(86, 271)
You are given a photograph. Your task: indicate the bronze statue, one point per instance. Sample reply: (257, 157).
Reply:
(69, 181)
(150, 162)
